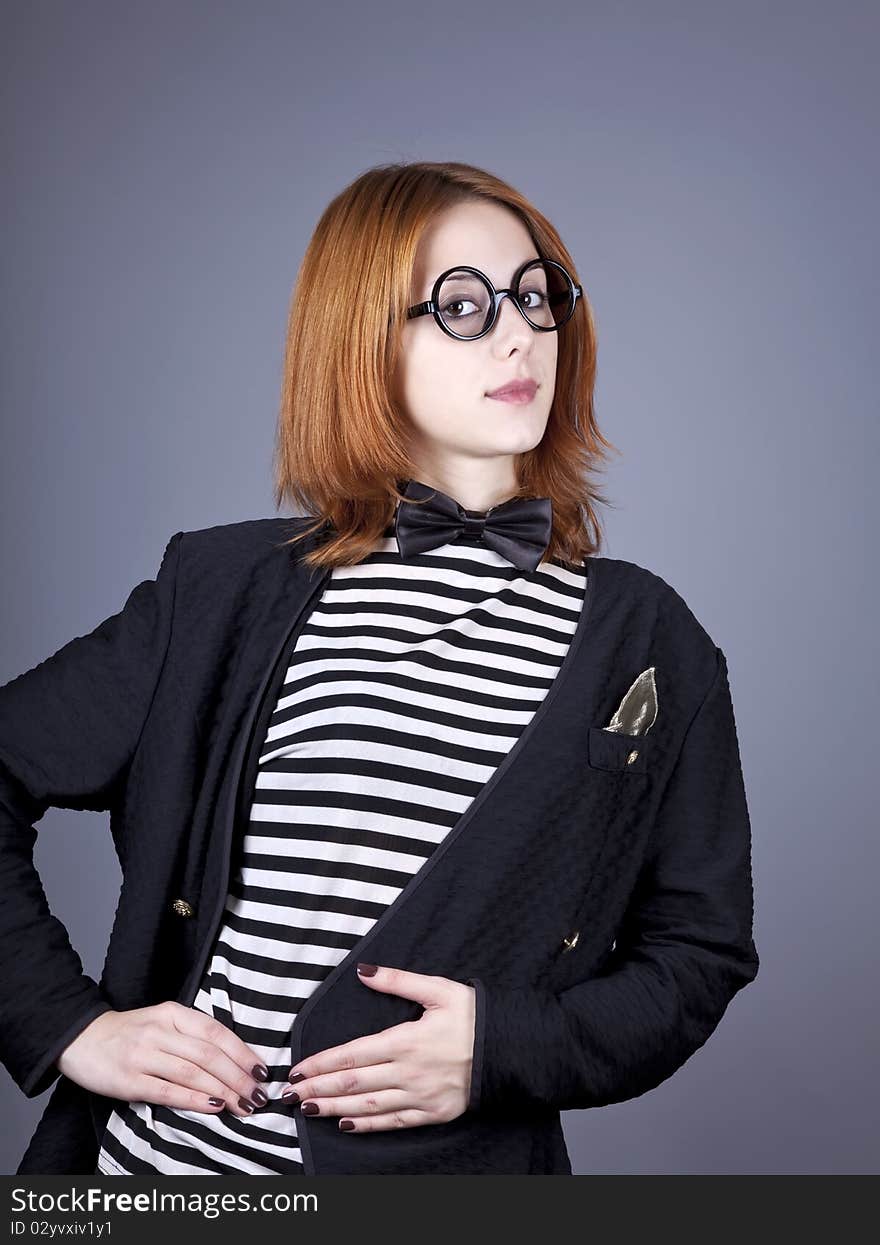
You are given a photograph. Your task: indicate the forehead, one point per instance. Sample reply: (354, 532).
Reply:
(487, 236)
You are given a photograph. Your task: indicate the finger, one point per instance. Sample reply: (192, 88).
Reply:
(408, 1118)
(426, 988)
(199, 1064)
(390, 1075)
(389, 1044)
(191, 1021)
(165, 1093)
(359, 1105)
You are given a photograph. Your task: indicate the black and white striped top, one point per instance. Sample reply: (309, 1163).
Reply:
(405, 689)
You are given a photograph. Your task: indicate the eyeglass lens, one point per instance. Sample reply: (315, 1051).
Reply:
(465, 301)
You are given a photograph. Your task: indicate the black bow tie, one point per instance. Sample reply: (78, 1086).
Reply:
(518, 529)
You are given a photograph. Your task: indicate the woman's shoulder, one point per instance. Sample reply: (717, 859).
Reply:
(227, 560)
(646, 595)
(247, 539)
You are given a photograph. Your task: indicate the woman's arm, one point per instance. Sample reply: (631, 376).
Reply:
(683, 951)
(68, 731)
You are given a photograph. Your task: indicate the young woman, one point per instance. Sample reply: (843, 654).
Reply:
(431, 820)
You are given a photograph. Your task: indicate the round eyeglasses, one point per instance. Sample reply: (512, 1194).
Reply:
(465, 303)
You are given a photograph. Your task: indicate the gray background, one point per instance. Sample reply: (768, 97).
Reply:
(713, 170)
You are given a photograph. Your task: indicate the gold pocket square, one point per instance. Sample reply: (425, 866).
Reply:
(637, 712)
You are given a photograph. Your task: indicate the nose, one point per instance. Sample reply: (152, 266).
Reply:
(510, 326)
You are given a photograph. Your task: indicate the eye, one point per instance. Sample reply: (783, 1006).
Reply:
(538, 295)
(459, 302)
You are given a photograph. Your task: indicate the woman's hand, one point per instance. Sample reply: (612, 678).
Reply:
(168, 1054)
(418, 1072)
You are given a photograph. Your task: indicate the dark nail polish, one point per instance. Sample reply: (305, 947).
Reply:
(291, 1096)
(245, 1105)
(259, 1073)
(346, 1125)
(295, 1077)
(259, 1097)
(368, 970)
(217, 1102)
(311, 1108)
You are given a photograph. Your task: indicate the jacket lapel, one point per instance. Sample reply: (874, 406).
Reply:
(281, 598)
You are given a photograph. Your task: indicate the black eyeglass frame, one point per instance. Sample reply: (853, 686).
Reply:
(431, 306)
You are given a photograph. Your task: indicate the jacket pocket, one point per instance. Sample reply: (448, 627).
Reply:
(611, 750)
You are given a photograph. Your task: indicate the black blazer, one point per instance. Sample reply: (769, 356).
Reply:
(155, 717)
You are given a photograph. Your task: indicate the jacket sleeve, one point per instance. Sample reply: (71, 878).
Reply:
(69, 728)
(684, 949)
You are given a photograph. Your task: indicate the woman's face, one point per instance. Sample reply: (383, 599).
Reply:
(442, 384)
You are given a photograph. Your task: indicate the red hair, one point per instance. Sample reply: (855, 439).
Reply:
(340, 454)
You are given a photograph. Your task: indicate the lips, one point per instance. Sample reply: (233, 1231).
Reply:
(516, 389)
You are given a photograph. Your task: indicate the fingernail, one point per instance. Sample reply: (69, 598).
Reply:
(217, 1102)
(295, 1077)
(345, 1125)
(259, 1097)
(311, 1108)
(367, 970)
(245, 1105)
(259, 1073)
(290, 1095)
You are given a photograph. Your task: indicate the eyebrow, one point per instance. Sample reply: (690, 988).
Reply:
(516, 269)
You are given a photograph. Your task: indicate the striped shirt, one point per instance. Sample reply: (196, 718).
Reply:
(404, 690)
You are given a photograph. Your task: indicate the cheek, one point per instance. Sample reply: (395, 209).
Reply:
(549, 362)
(551, 352)
(435, 382)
